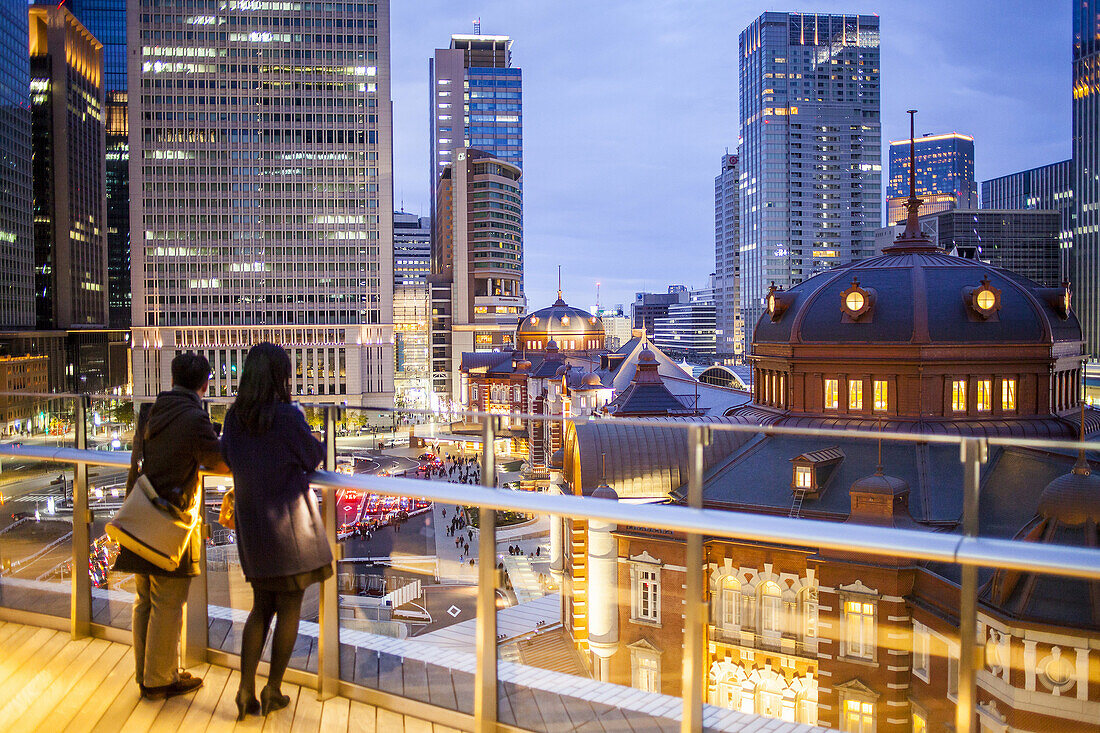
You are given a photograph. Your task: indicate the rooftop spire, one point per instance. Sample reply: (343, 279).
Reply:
(560, 301)
(912, 239)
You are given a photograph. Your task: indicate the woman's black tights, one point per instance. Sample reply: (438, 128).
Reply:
(286, 606)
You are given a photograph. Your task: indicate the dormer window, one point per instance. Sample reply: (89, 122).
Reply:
(856, 302)
(811, 471)
(1059, 299)
(984, 301)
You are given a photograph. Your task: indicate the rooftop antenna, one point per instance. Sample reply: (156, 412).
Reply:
(597, 297)
(913, 204)
(559, 286)
(477, 26)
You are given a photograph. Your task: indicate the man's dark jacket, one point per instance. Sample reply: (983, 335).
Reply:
(175, 437)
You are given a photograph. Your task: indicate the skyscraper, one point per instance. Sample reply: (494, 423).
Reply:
(1085, 272)
(477, 263)
(945, 175)
(412, 254)
(106, 20)
(261, 165)
(476, 101)
(16, 196)
(1046, 187)
(730, 331)
(70, 205)
(810, 153)
(1024, 241)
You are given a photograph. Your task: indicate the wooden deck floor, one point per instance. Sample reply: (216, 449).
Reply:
(52, 684)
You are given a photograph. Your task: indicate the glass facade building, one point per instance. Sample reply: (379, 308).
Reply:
(1023, 241)
(945, 175)
(16, 235)
(688, 330)
(1085, 272)
(67, 105)
(730, 329)
(261, 166)
(811, 149)
(1046, 187)
(476, 101)
(106, 20)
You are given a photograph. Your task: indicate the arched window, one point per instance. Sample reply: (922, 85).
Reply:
(730, 602)
(771, 610)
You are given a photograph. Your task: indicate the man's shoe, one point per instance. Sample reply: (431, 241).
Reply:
(179, 687)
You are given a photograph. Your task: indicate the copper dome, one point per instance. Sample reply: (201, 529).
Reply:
(574, 329)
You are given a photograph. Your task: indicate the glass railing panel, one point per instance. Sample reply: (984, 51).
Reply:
(408, 579)
(563, 663)
(36, 519)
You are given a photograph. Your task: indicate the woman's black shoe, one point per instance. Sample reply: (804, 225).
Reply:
(247, 705)
(270, 700)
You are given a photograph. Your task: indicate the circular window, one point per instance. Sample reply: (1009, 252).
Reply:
(534, 320)
(1065, 301)
(986, 299)
(771, 304)
(565, 320)
(854, 301)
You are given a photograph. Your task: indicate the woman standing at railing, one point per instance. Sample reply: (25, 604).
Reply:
(281, 539)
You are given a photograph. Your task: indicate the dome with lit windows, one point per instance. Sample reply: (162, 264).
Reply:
(573, 329)
(918, 339)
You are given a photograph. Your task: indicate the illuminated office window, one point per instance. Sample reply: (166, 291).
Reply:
(1008, 395)
(985, 396)
(958, 395)
(882, 394)
(832, 394)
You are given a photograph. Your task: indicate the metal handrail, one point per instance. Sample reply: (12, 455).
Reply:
(713, 424)
(880, 541)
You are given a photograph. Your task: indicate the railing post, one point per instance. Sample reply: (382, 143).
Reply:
(485, 682)
(695, 607)
(80, 612)
(328, 648)
(973, 456)
(196, 629)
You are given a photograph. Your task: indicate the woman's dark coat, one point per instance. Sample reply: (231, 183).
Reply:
(279, 529)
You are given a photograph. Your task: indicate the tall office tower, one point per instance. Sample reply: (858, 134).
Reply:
(70, 204)
(106, 20)
(476, 101)
(477, 263)
(730, 333)
(945, 175)
(1023, 241)
(261, 165)
(1048, 187)
(412, 254)
(811, 151)
(1085, 271)
(16, 188)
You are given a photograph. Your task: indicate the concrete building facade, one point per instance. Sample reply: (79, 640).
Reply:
(730, 331)
(261, 166)
(476, 265)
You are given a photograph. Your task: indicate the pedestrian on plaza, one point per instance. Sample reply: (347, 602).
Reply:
(173, 438)
(281, 539)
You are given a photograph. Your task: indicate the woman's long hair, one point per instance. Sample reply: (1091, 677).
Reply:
(264, 383)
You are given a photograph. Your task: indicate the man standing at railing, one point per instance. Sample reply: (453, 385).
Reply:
(173, 439)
